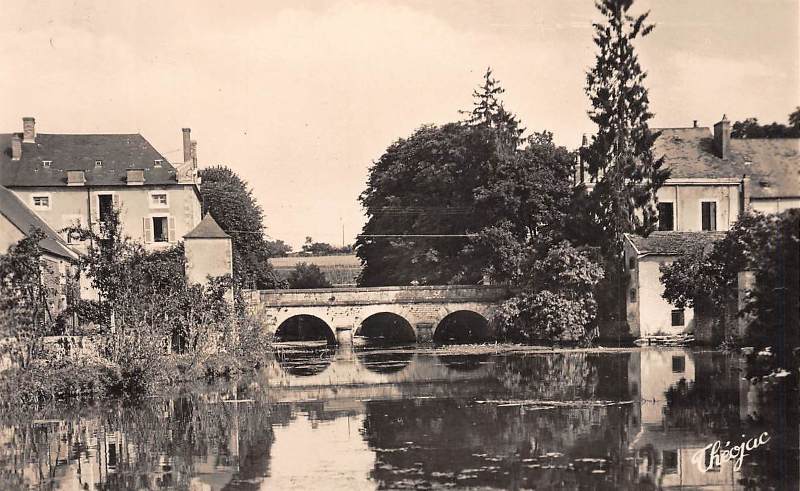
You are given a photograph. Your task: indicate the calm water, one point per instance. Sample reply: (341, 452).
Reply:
(343, 420)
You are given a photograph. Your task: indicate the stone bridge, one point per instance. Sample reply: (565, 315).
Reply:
(396, 313)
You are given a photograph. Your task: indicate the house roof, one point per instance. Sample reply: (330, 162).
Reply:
(208, 228)
(672, 243)
(773, 165)
(79, 152)
(22, 217)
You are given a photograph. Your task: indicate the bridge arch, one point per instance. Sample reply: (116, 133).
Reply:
(304, 327)
(388, 327)
(462, 327)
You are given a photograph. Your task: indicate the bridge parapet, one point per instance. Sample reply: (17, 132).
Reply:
(378, 295)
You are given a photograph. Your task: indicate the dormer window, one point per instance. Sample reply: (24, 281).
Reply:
(98, 163)
(47, 163)
(157, 162)
(135, 177)
(75, 178)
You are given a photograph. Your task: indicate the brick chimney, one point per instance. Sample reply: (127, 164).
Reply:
(187, 145)
(16, 147)
(28, 130)
(722, 138)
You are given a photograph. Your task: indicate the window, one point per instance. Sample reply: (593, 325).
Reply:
(708, 210)
(666, 216)
(157, 162)
(631, 263)
(46, 163)
(98, 163)
(158, 200)
(678, 364)
(41, 202)
(105, 203)
(160, 229)
(677, 317)
(669, 458)
(632, 295)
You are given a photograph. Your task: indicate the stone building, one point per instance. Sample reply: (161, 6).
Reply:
(65, 180)
(77, 179)
(713, 179)
(58, 260)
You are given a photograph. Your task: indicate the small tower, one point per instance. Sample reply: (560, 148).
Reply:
(209, 252)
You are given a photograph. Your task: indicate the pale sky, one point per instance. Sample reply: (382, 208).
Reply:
(299, 98)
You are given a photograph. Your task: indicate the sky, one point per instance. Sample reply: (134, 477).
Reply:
(300, 98)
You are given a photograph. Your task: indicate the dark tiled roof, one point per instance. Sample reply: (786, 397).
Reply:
(773, 168)
(673, 243)
(208, 228)
(79, 152)
(25, 219)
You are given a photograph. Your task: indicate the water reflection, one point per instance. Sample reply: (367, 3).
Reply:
(414, 419)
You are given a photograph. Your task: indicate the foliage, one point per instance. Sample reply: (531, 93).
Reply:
(750, 128)
(620, 156)
(278, 248)
(146, 292)
(307, 275)
(24, 311)
(436, 200)
(230, 201)
(420, 206)
(312, 248)
(556, 300)
(765, 244)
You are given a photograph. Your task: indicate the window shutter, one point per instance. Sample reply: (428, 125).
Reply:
(96, 209)
(115, 201)
(147, 233)
(171, 236)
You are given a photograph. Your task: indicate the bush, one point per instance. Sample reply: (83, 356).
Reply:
(308, 276)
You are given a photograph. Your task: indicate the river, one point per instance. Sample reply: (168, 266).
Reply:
(425, 418)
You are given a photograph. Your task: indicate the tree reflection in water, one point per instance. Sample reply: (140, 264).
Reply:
(421, 433)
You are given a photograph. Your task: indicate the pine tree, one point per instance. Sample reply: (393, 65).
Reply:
(488, 110)
(620, 157)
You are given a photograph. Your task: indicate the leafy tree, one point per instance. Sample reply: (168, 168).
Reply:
(794, 118)
(769, 245)
(24, 311)
(308, 276)
(312, 248)
(278, 248)
(230, 201)
(420, 205)
(555, 299)
(751, 128)
(530, 192)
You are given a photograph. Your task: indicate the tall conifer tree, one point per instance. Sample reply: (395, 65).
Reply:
(620, 157)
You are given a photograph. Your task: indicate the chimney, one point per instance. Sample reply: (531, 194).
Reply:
(722, 138)
(16, 147)
(194, 153)
(694, 124)
(187, 145)
(28, 130)
(744, 205)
